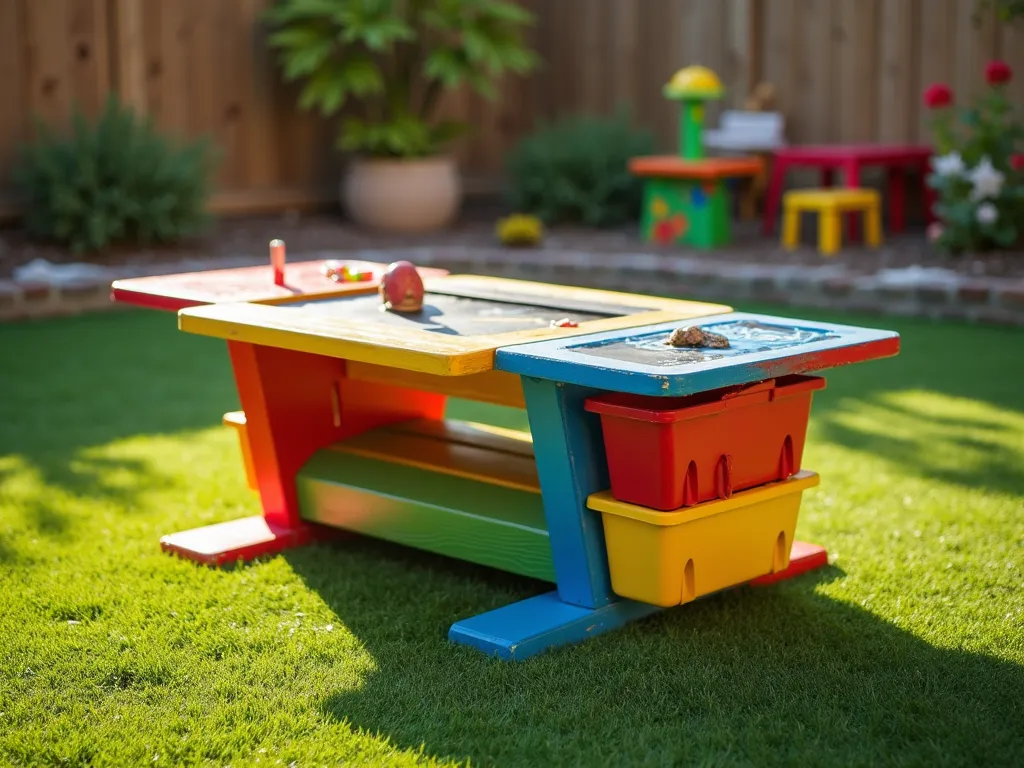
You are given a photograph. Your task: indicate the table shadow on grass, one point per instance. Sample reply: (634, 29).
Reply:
(74, 386)
(780, 673)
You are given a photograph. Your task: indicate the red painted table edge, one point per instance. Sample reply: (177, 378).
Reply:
(132, 290)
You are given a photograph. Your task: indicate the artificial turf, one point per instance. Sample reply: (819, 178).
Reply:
(907, 650)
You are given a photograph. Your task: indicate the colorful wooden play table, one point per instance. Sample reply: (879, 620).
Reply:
(851, 159)
(345, 430)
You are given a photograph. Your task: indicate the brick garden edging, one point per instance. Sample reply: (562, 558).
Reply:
(922, 292)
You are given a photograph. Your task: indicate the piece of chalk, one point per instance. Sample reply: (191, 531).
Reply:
(277, 259)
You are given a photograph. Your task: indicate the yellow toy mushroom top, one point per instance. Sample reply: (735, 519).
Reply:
(694, 82)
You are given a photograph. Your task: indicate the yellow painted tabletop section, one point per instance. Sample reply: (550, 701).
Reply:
(427, 351)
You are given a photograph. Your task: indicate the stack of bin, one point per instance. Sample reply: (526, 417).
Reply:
(705, 490)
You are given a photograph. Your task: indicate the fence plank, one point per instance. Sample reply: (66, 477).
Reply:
(128, 54)
(260, 168)
(48, 82)
(857, 81)
(623, 52)
(811, 95)
(897, 111)
(935, 63)
(781, 61)
(741, 34)
(14, 124)
(1011, 44)
(88, 55)
(974, 47)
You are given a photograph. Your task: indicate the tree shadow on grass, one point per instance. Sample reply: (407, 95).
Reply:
(780, 674)
(75, 385)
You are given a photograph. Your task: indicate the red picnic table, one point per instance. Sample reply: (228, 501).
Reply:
(897, 159)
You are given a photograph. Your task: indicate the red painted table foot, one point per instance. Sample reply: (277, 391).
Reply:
(803, 557)
(243, 539)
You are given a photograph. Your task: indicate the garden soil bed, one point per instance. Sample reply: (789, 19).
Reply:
(314, 235)
(904, 277)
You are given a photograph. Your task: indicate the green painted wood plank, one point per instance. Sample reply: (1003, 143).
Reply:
(466, 519)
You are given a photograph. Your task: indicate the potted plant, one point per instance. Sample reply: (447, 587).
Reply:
(384, 65)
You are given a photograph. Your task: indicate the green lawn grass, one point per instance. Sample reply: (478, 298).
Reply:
(908, 650)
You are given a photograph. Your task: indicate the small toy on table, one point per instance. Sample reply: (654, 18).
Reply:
(401, 288)
(685, 196)
(344, 272)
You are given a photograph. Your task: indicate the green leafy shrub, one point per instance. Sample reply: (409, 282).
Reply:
(392, 59)
(576, 170)
(1007, 11)
(978, 174)
(111, 181)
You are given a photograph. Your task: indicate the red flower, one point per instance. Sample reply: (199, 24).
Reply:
(937, 96)
(998, 72)
(1017, 162)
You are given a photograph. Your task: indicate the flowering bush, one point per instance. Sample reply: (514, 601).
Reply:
(978, 174)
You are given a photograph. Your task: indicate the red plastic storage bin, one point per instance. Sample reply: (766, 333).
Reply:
(666, 453)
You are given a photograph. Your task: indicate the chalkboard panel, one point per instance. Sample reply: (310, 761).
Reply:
(443, 313)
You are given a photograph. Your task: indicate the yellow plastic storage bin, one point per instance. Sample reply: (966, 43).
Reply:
(670, 558)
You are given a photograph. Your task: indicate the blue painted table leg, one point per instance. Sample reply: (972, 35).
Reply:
(520, 630)
(571, 465)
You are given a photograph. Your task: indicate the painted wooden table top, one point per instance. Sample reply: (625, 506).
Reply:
(465, 320)
(639, 360)
(303, 280)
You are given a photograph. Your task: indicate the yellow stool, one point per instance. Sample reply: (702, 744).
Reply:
(830, 203)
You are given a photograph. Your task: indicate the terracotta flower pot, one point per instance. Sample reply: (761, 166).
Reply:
(418, 195)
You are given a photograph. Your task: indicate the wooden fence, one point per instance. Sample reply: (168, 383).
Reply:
(845, 70)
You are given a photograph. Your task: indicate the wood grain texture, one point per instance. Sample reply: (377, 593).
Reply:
(844, 70)
(461, 518)
(492, 459)
(897, 113)
(49, 82)
(15, 121)
(936, 34)
(857, 72)
(128, 56)
(815, 102)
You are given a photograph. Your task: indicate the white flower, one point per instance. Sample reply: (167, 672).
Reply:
(988, 182)
(987, 213)
(949, 165)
